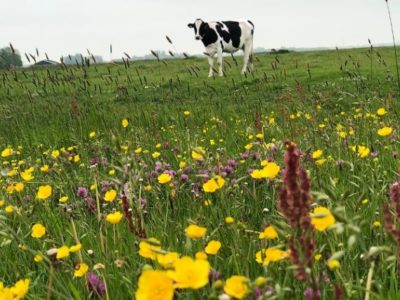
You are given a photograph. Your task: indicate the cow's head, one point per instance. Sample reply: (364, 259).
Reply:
(199, 28)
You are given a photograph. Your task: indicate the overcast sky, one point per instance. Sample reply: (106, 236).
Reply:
(61, 27)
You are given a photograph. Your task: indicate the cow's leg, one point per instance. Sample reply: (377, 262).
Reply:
(248, 51)
(220, 60)
(211, 63)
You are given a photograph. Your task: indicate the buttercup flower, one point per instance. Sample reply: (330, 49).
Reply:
(62, 252)
(195, 232)
(38, 231)
(266, 256)
(81, 269)
(236, 286)
(322, 218)
(269, 233)
(213, 247)
(164, 178)
(110, 195)
(155, 285)
(385, 131)
(44, 192)
(190, 273)
(114, 218)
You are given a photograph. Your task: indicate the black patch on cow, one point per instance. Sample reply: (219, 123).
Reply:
(222, 45)
(234, 32)
(251, 23)
(222, 33)
(207, 34)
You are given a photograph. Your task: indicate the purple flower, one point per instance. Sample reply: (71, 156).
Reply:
(231, 163)
(184, 177)
(228, 170)
(94, 160)
(257, 293)
(244, 155)
(143, 202)
(82, 192)
(308, 293)
(96, 285)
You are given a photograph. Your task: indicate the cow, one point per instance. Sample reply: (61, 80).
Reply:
(225, 36)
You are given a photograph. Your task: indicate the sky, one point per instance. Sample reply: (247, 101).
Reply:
(62, 27)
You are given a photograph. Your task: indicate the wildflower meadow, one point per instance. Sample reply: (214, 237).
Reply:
(148, 180)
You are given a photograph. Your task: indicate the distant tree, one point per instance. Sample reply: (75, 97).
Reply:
(9, 58)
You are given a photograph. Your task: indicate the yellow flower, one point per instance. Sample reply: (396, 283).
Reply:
(38, 231)
(257, 174)
(114, 218)
(182, 164)
(7, 152)
(45, 168)
(270, 170)
(110, 195)
(376, 224)
(111, 172)
(265, 256)
(27, 176)
(148, 250)
(81, 269)
(213, 247)
(190, 273)
(195, 232)
(124, 123)
(9, 209)
(164, 178)
(92, 134)
(320, 162)
(138, 150)
(167, 260)
(197, 156)
(322, 218)
(20, 289)
(229, 220)
(1, 203)
(147, 188)
(63, 199)
(155, 154)
(201, 255)
(19, 187)
(236, 286)
(155, 285)
(317, 154)
(362, 151)
(77, 158)
(333, 264)
(38, 258)
(213, 184)
(364, 201)
(62, 252)
(44, 192)
(385, 131)
(269, 233)
(317, 257)
(55, 153)
(381, 111)
(186, 113)
(75, 248)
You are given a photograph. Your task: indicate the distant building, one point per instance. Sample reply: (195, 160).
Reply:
(46, 62)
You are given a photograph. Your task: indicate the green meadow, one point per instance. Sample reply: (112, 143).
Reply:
(103, 169)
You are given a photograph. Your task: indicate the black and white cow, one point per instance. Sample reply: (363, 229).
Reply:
(225, 36)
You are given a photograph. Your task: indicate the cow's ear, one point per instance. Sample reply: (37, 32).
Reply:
(190, 25)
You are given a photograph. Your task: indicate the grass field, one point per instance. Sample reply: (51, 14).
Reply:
(105, 167)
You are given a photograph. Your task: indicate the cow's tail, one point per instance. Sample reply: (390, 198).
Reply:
(252, 25)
